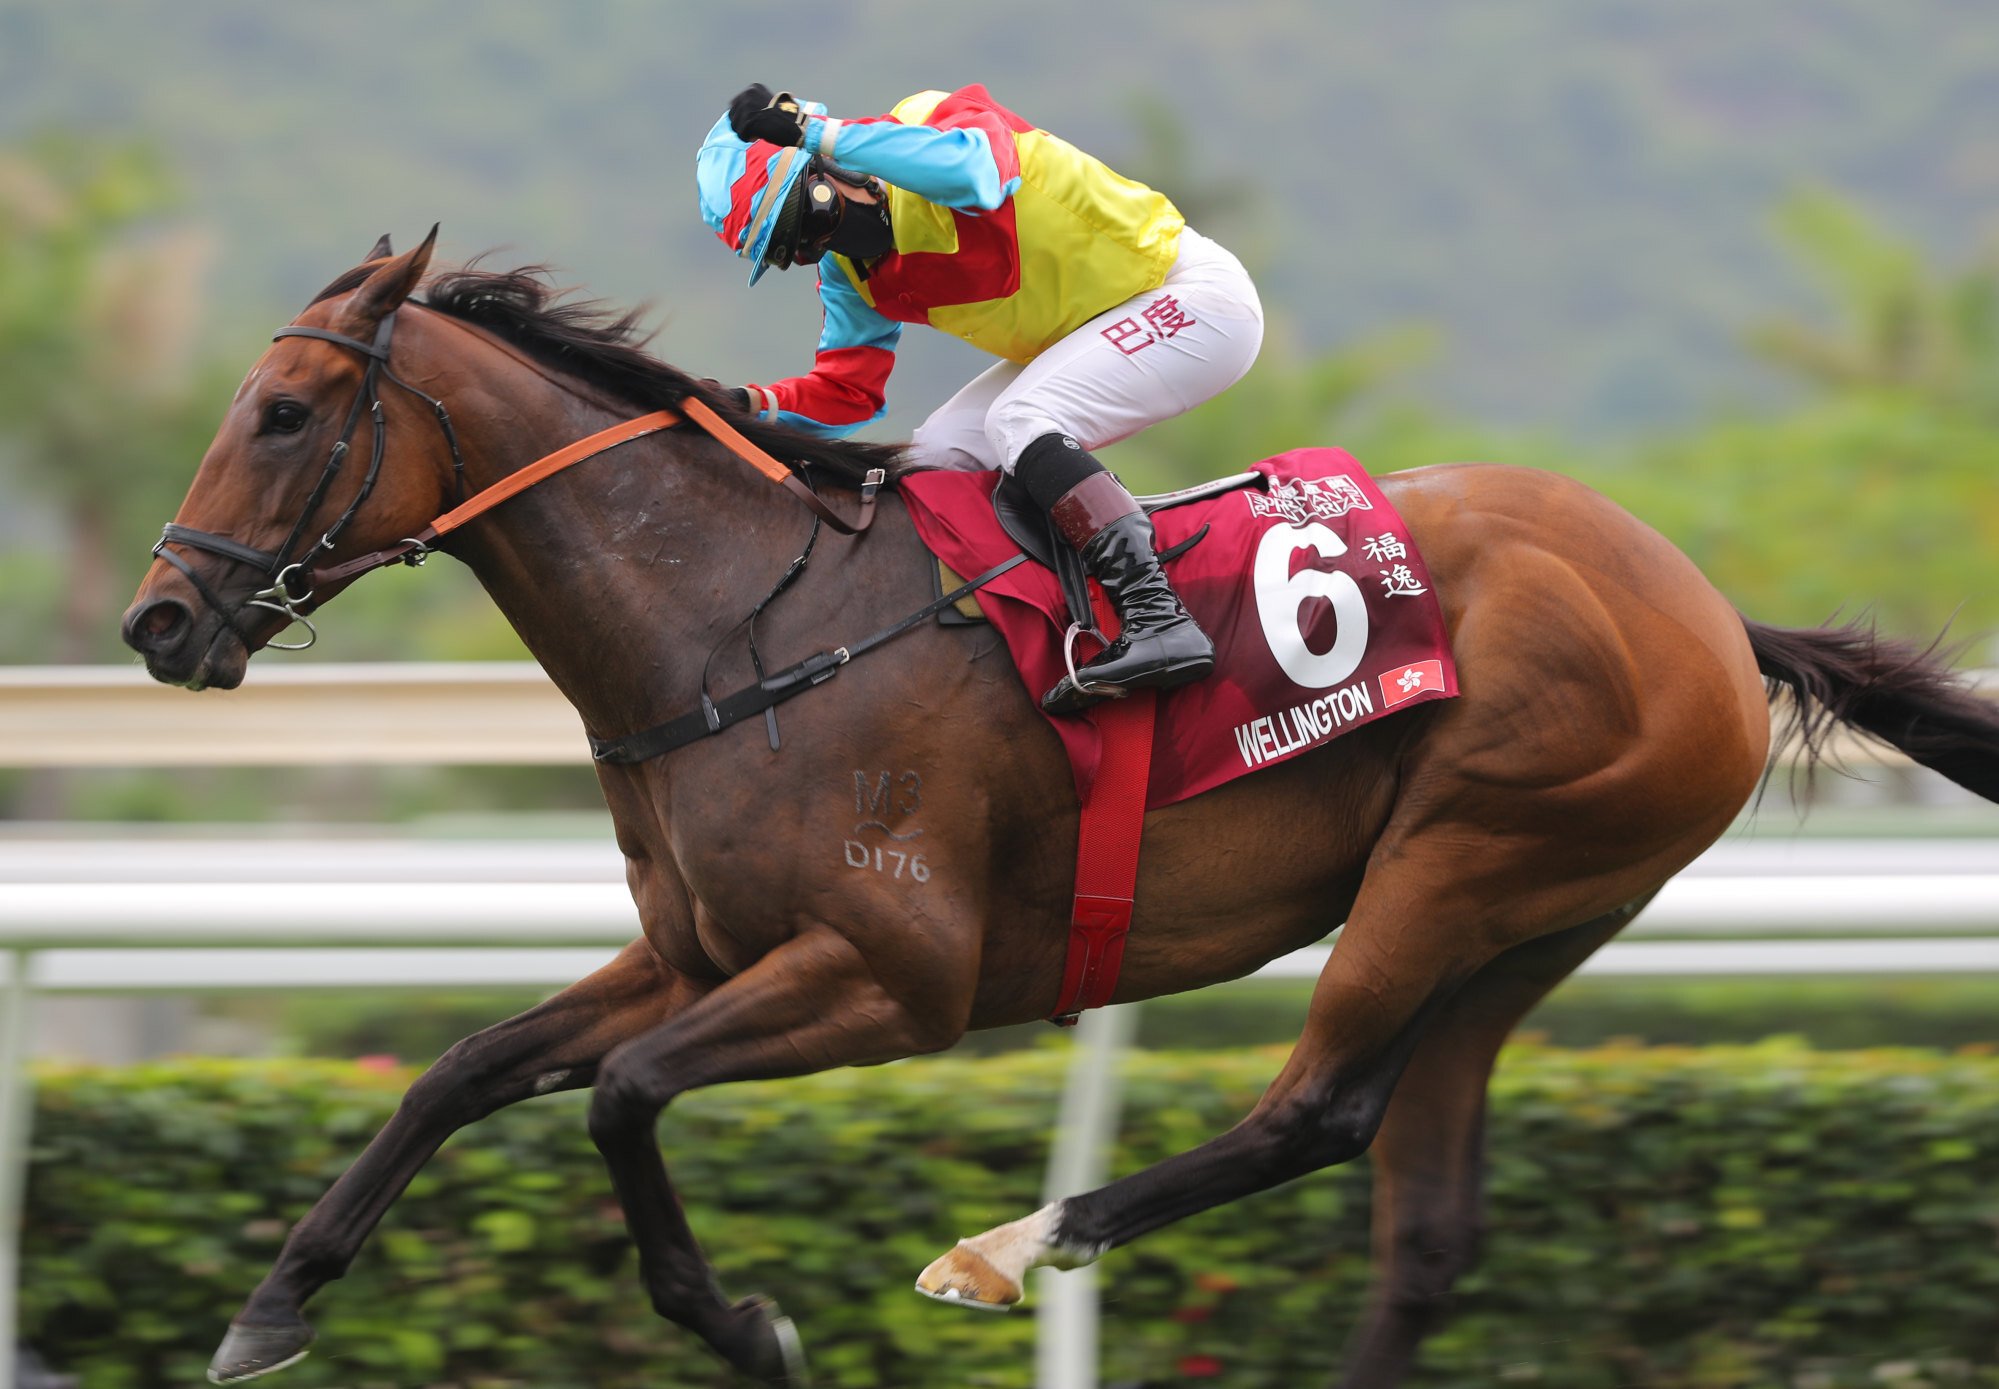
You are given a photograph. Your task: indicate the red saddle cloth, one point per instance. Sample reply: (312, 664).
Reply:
(1322, 614)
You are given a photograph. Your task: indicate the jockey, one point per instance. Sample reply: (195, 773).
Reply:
(1109, 314)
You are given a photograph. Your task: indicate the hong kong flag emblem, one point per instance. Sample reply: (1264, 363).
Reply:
(1404, 684)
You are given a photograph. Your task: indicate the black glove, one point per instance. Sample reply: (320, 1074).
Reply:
(735, 395)
(754, 114)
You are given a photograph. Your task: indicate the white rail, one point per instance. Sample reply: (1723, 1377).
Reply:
(178, 916)
(401, 714)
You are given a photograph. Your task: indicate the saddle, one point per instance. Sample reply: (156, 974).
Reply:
(1029, 527)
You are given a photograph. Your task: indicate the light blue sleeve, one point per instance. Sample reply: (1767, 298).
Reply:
(847, 388)
(851, 321)
(952, 168)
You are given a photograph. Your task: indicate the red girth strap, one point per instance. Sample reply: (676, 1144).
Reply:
(1107, 855)
(1107, 844)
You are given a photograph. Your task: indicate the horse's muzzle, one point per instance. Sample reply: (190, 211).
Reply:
(181, 647)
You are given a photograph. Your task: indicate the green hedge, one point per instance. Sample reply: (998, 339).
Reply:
(1759, 1216)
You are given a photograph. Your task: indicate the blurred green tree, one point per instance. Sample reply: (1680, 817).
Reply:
(99, 296)
(1898, 325)
(1877, 491)
(108, 399)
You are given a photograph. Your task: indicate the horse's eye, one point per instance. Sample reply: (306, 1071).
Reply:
(285, 417)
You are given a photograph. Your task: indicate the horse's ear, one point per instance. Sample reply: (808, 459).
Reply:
(384, 291)
(382, 250)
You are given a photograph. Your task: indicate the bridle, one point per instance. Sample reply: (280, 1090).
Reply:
(291, 588)
(294, 581)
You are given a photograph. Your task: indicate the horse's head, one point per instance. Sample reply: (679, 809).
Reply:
(299, 476)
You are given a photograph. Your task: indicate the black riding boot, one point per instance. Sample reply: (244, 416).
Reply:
(1158, 644)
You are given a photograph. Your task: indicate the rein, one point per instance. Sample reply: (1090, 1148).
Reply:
(293, 582)
(424, 541)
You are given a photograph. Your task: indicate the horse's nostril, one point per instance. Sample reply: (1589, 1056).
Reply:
(157, 625)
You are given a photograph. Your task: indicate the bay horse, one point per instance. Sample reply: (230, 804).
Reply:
(1616, 714)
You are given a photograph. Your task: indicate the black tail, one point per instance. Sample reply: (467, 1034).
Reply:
(1894, 691)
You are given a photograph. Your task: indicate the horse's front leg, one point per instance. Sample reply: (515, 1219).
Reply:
(555, 1046)
(812, 1004)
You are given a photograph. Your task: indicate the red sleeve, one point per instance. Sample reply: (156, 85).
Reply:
(846, 388)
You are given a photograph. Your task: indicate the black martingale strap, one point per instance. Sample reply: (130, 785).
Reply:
(717, 714)
(796, 568)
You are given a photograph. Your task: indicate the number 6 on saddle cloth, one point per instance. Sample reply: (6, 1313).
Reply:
(1323, 613)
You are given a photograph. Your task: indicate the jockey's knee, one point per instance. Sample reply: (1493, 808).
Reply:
(955, 444)
(1011, 425)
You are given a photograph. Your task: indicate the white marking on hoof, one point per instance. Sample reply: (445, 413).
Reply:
(988, 1271)
(958, 1299)
(967, 1277)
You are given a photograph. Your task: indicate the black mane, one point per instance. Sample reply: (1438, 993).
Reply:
(598, 344)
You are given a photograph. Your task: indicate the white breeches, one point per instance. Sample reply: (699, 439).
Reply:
(1154, 356)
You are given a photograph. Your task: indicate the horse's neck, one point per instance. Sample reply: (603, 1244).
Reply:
(622, 573)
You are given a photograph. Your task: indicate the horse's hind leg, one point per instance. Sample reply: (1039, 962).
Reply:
(1427, 920)
(1406, 948)
(555, 1046)
(1428, 1158)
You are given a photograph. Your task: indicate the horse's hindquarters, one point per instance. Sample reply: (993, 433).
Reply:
(1613, 721)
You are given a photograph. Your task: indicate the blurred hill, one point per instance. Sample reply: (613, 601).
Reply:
(1577, 192)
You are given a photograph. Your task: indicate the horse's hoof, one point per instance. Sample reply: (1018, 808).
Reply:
(778, 1358)
(249, 1351)
(964, 1278)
